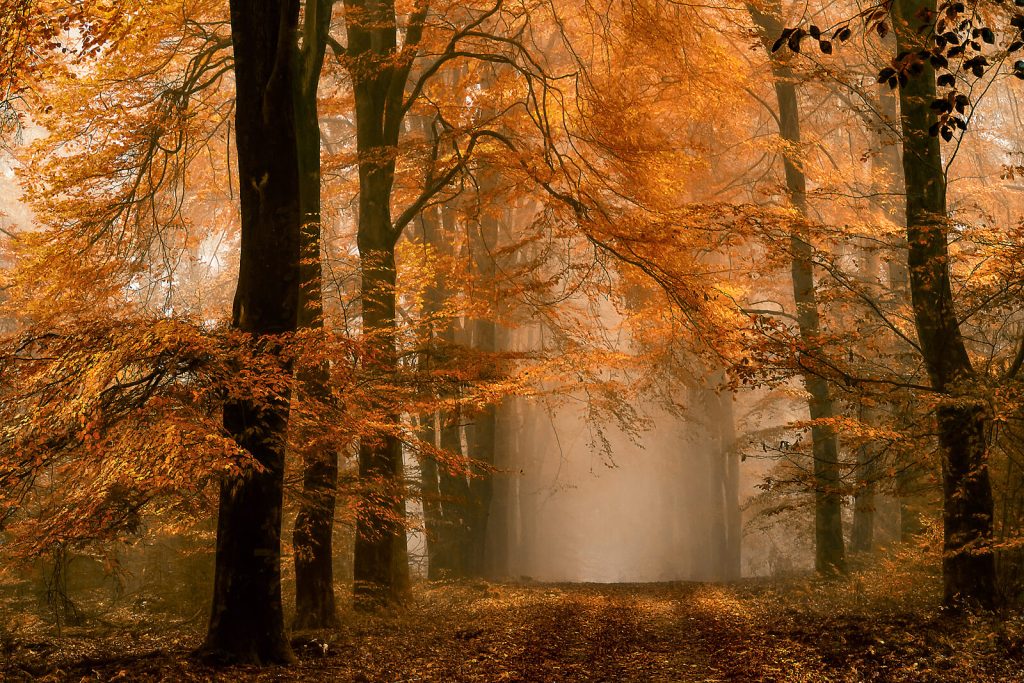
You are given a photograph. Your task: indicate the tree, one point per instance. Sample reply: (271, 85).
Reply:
(968, 565)
(247, 620)
(828, 525)
(379, 71)
(314, 525)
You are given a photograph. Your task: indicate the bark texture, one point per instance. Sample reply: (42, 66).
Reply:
(968, 564)
(312, 536)
(829, 548)
(379, 72)
(247, 619)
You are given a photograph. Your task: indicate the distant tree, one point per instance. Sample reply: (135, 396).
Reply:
(829, 550)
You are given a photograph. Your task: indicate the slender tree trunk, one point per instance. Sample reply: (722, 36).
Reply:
(725, 422)
(381, 555)
(379, 72)
(430, 494)
(314, 524)
(485, 331)
(909, 471)
(714, 523)
(438, 560)
(247, 619)
(862, 533)
(829, 548)
(968, 564)
(499, 524)
(454, 489)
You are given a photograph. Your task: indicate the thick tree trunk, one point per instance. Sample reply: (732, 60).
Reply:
(968, 562)
(247, 619)
(314, 524)
(829, 555)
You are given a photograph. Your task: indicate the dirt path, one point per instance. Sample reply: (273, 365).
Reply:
(663, 632)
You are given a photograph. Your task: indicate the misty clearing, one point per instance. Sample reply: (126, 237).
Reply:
(511, 340)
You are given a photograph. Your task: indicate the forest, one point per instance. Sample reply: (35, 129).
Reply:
(511, 340)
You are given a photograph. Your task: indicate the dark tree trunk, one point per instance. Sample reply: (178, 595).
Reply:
(381, 554)
(314, 524)
(481, 486)
(430, 495)
(829, 551)
(968, 564)
(247, 619)
(453, 550)
(379, 74)
(499, 522)
(862, 532)
(430, 474)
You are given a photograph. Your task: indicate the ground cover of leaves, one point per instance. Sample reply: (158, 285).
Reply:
(800, 629)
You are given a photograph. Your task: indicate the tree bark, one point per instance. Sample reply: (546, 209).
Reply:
(379, 74)
(829, 550)
(247, 619)
(862, 533)
(455, 529)
(890, 164)
(430, 495)
(312, 536)
(430, 474)
(968, 564)
(485, 331)
(729, 457)
(381, 554)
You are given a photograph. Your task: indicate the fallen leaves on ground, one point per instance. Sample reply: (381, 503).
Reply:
(799, 629)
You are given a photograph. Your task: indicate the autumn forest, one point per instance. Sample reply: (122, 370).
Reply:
(511, 340)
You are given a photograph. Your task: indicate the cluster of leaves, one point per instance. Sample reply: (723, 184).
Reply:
(958, 44)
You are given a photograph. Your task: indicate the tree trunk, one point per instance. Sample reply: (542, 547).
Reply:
(314, 524)
(381, 554)
(862, 533)
(379, 74)
(499, 522)
(829, 552)
(430, 495)
(482, 445)
(909, 472)
(247, 619)
(968, 565)
(454, 487)
(729, 456)
(438, 561)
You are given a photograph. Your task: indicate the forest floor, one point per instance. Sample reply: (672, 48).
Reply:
(797, 629)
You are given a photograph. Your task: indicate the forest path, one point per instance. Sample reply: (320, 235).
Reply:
(798, 630)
